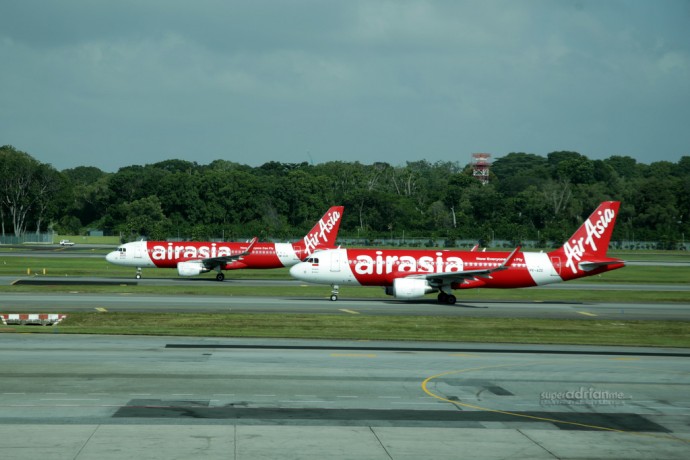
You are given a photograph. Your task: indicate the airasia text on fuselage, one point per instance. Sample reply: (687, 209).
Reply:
(440, 262)
(174, 251)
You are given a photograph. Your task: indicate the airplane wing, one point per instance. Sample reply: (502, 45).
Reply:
(446, 278)
(213, 262)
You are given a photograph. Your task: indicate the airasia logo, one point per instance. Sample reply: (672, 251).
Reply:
(576, 248)
(318, 237)
(176, 252)
(366, 265)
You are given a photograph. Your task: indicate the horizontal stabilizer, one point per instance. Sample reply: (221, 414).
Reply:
(589, 265)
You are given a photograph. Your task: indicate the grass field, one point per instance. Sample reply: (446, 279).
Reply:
(425, 328)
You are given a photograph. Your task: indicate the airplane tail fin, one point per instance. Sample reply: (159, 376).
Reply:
(586, 249)
(324, 232)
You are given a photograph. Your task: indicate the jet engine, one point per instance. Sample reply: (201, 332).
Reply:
(191, 268)
(409, 288)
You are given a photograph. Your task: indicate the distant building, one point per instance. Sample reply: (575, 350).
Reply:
(481, 162)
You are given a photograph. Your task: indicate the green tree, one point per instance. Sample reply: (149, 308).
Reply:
(571, 167)
(144, 217)
(25, 188)
(517, 171)
(626, 167)
(82, 200)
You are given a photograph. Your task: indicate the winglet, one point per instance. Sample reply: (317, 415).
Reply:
(250, 247)
(509, 260)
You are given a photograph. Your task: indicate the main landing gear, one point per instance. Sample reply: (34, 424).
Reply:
(334, 292)
(220, 276)
(444, 297)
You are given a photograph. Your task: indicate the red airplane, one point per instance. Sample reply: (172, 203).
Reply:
(409, 273)
(192, 258)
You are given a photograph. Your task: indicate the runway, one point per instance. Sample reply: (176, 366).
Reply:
(85, 397)
(40, 280)
(72, 302)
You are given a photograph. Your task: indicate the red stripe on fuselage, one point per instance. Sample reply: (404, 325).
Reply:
(262, 256)
(512, 277)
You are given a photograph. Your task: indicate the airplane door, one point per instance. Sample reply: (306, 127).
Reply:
(138, 253)
(335, 261)
(556, 262)
(296, 251)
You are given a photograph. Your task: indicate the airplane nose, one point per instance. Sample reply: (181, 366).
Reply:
(110, 257)
(297, 269)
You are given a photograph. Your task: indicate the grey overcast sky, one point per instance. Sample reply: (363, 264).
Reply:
(118, 83)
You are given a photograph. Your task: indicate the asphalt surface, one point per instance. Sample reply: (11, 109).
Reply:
(71, 302)
(88, 397)
(44, 280)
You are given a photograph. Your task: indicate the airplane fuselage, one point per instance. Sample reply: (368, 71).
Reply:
(364, 267)
(163, 254)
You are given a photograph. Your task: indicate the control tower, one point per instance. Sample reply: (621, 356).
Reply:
(481, 162)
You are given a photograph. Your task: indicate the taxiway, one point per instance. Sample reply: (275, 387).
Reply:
(130, 302)
(88, 397)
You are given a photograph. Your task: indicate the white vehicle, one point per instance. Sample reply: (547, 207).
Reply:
(66, 243)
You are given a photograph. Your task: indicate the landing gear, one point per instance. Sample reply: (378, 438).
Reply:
(444, 297)
(220, 276)
(334, 292)
(138, 275)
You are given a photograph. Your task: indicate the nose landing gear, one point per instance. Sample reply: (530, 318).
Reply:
(334, 292)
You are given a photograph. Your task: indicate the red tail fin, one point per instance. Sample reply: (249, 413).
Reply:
(324, 233)
(590, 242)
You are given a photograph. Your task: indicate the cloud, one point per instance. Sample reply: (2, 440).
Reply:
(119, 83)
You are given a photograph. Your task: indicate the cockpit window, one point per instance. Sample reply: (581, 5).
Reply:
(312, 260)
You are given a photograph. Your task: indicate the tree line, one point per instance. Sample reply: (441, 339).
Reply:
(528, 197)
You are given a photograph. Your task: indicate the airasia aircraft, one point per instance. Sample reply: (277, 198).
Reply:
(410, 274)
(192, 258)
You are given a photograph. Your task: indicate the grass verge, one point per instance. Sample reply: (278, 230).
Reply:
(420, 328)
